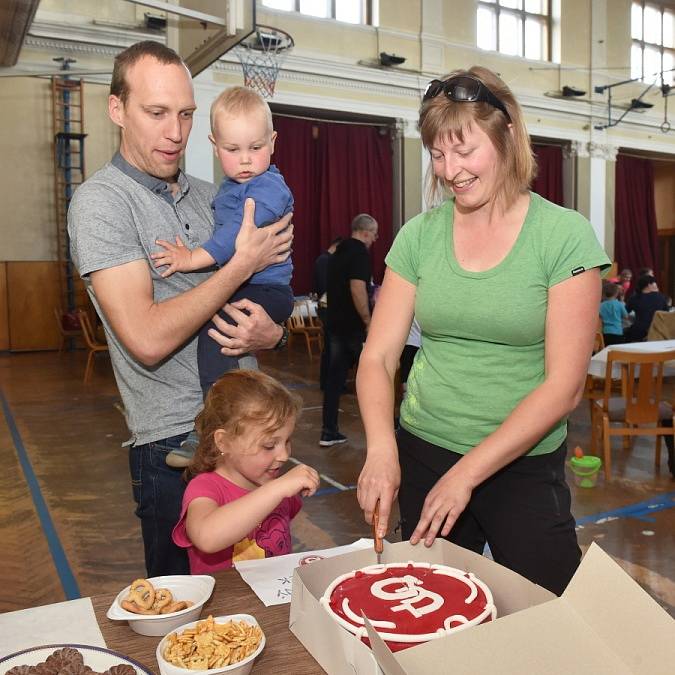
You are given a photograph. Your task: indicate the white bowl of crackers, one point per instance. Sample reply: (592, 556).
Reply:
(159, 605)
(221, 644)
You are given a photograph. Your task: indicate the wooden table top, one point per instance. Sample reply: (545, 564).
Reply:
(283, 652)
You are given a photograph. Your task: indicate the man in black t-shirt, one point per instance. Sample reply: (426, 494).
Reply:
(645, 302)
(347, 316)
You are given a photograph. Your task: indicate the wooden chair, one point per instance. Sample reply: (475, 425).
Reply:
(93, 345)
(662, 326)
(312, 319)
(298, 325)
(595, 386)
(64, 333)
(639, 404)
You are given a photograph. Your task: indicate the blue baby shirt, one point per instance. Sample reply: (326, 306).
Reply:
(273, 200)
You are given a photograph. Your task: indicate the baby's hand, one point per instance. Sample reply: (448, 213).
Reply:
(177, 256)
(301, 479)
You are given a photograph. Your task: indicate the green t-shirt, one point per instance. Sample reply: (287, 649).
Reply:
(483, 332)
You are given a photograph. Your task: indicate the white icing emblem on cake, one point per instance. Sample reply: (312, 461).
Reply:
(403, 594)
(410, 592)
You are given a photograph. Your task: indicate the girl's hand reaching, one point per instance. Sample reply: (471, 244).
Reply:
(301, 479)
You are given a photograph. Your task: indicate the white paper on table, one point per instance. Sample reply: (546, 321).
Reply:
(68, 622)
(271, 579)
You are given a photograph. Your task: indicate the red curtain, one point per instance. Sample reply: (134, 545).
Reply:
(549, 181)
(335, 171)
(635, 240)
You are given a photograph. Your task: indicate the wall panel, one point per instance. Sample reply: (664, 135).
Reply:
(4, 316)
(33, 292)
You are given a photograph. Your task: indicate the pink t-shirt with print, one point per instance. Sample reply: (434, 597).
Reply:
(272, 537)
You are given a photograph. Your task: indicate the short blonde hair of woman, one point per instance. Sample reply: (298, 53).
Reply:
(444, 119)
(237, 101)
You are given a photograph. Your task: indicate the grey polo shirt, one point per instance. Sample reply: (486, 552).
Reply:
(114, 218)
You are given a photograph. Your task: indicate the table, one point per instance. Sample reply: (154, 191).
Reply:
(304, 306)
(598, 363)
(283, 652)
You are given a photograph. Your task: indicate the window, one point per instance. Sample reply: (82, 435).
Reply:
(653, 50)
(349, 11)
(516, 27)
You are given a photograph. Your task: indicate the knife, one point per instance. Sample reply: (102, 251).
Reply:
(379, 546)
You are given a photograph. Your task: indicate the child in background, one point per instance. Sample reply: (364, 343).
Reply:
(625, 280)
(612, 312)
(236, 505)
(243, 140)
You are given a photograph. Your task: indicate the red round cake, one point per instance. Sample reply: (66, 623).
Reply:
(408, 603)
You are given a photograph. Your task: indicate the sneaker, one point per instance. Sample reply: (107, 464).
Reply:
(329, 438)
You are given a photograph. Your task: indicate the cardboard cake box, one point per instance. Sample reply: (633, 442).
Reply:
(604, 623)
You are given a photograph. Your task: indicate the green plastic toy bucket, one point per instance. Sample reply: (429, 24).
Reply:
(585, 470)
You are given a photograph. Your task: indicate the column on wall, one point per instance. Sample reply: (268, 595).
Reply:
(595, 188)
(199, 152)
(413, 170)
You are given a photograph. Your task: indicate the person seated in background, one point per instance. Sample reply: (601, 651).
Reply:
(612, 313)
(625, 280)
(644, 303)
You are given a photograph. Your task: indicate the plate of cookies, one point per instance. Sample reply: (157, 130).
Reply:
(158, 605)
(71, 659)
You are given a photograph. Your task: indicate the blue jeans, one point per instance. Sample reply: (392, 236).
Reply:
(158, 493)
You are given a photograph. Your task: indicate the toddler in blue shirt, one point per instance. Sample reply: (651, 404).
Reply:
(243, 139)
(612, 312)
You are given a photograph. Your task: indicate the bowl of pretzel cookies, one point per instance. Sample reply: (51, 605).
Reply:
(158, 605)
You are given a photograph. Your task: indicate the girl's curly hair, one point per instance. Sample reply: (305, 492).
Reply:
(239, 399)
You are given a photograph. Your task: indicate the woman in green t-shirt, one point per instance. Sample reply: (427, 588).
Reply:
(506, 289)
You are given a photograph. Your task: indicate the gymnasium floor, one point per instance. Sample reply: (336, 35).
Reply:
(66, 518)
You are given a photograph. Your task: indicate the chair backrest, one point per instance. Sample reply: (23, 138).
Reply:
(87, 330)
(642, 383)
(310, 319)
(68, 322)
(662, 326)
(296, 320)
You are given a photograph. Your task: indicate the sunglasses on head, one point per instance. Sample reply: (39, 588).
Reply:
(464, 89)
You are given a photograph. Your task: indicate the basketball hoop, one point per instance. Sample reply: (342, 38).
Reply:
(261, 55)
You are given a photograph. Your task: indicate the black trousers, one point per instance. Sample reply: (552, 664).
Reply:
(613, 339)
(522, 511)
(344, 352)
(322, 313)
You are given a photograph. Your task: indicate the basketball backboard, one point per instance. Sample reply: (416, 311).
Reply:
(201, 43)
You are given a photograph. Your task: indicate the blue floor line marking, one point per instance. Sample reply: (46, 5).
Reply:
(331, 490)
(68, 583)
(639, 511)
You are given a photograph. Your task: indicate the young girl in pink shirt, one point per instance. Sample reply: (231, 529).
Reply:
(237, 506)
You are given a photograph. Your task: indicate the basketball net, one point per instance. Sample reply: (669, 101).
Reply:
(261, 56)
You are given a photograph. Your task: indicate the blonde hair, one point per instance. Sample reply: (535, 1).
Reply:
(238, 400)
(239, 101)
(444, 119)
